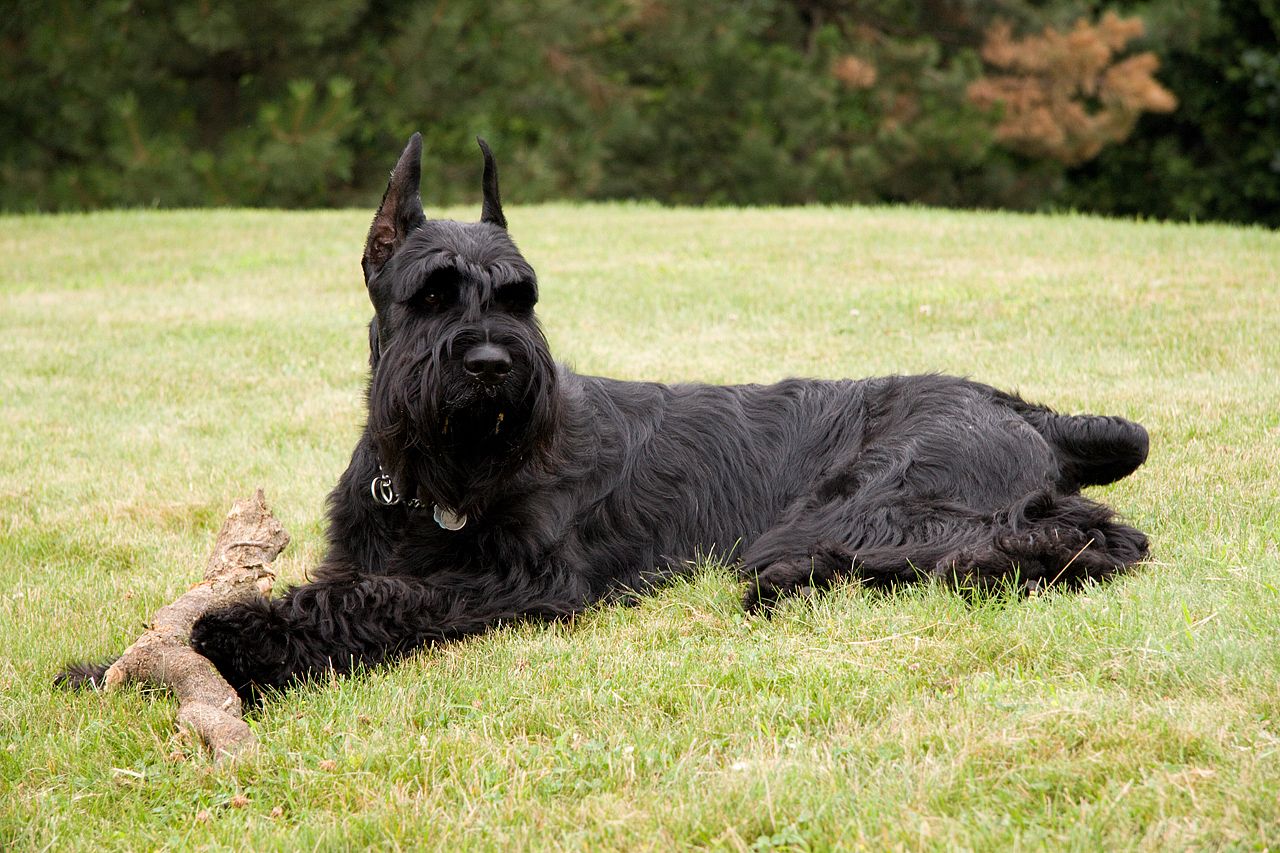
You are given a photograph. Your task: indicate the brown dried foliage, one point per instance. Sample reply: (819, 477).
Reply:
(853, 72)
(1066, 95)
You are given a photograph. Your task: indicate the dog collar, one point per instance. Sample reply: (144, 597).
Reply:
(383, 490)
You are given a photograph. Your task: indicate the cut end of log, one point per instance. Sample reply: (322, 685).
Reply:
(227, 737)
(115, 677)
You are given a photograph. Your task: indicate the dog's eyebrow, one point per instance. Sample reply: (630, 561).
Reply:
(487, 276)
(502, 272)
(437, 265)
(440, 261)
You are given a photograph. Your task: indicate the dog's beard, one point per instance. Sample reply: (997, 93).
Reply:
(442, 434)
(450, 413)
(471, 415)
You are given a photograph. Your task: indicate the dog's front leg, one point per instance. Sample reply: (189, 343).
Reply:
(253, 645)
(328, 626)
(336, 625)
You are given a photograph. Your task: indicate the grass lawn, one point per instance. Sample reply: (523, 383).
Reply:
(155, 366)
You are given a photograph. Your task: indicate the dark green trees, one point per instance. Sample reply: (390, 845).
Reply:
(281, 103)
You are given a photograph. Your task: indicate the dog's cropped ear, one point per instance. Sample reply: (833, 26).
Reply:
(492, 210)
(400, 212)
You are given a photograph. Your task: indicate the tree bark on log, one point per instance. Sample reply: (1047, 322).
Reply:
(237, 571)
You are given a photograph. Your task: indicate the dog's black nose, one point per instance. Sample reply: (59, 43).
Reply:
(489, 363)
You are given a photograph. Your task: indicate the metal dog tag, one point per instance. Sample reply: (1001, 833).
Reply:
(448, 519)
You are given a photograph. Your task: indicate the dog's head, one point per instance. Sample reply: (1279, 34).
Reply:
(462, 384)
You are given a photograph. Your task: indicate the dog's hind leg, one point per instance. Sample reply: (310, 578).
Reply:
(880, 544)
(1046, 540)
(1043, 540)
(828, 563)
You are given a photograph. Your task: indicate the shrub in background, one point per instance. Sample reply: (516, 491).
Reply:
(1066, 95)
(1217, 157)
(141, 102)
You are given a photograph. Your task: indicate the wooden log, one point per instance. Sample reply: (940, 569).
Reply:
(237, 571)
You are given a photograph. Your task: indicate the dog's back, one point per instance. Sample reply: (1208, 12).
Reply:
(775, 470)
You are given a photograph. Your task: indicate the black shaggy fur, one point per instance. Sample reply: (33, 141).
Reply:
(577, 489)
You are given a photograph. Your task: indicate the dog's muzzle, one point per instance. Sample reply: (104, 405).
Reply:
(487, 363)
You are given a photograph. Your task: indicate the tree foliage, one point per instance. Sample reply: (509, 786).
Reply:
(956, 102)
(1066, 95)
(1217, 157)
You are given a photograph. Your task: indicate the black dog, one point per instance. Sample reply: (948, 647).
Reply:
(493, 484)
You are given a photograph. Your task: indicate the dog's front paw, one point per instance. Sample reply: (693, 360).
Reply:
(247, 643)
(786, 578)
(761, 596)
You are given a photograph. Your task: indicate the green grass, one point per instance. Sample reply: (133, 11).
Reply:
(155, 366)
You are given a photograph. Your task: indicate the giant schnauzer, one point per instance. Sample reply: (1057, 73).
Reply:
(492, 483)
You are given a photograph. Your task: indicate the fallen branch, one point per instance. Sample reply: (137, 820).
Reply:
(237, 571)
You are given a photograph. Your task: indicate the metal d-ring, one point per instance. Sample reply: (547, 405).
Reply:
(383, 490)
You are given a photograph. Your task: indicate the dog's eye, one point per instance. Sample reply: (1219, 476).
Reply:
(436, 292)
(516, 296)
(428, 299)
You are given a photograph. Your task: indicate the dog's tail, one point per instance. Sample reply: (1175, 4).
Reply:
(1092, 450)
(82, 676)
